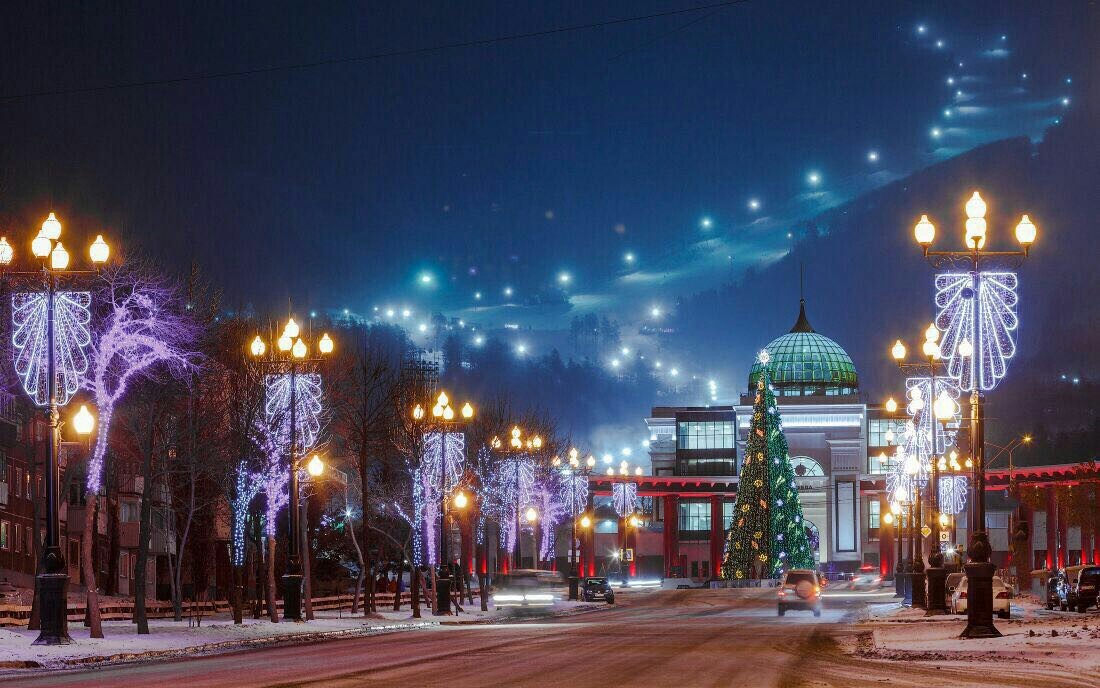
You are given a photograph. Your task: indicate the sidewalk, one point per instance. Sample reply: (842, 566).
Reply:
(169, 638)
(1034, 640)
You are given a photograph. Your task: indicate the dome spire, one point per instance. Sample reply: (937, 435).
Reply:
(802, 324)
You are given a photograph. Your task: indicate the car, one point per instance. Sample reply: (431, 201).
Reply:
(597, 589)
(952, 582)
(799, 589)
(865, 581)
(1054, 590)
(1079, 587)
(526, 589)
(1001, 598)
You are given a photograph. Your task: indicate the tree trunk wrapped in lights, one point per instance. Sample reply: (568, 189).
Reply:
(767, 535)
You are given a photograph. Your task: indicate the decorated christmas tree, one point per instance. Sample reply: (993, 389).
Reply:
(767, 535)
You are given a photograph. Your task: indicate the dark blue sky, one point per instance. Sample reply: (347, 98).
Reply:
(508, 164)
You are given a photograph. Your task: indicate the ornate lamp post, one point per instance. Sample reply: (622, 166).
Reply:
(47, 323)
(292, 352)
(977, 314)
(927, 439)
(575, 490)
(447, 473)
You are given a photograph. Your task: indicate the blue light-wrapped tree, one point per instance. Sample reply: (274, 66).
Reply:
(767, 535)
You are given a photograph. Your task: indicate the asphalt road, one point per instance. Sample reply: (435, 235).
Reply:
(661, 638)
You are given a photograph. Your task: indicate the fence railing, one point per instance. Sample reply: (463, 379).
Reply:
(19, 615)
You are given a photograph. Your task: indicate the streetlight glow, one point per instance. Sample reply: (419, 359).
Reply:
(315, 466)
(83, 421)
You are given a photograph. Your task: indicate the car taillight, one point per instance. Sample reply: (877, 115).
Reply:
(782, 594)
(962, 595)
(1002, 595)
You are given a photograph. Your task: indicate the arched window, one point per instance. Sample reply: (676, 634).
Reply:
(805, 467)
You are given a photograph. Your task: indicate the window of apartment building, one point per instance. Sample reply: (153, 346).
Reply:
(30, 539)
(133, 566)
(17, 480)
(706, 435)
(130, 512)
(3, 466)
(694, 517)
(727, 515)
(5, 530)
(74, 554)
(17, 538)
(878, 427)
(123, 565)
(996, 519)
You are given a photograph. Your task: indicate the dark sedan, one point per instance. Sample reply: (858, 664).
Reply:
(598, 589)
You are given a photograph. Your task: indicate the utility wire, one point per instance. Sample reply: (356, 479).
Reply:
(363, 58)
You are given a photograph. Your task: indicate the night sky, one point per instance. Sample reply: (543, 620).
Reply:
(609, 169)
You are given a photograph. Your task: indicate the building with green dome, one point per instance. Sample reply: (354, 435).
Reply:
(805, 363)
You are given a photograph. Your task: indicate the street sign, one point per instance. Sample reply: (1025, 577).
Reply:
(925, 531)
(945, 536)
(629, 556)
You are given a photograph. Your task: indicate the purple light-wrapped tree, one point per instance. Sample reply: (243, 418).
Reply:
(145, 331)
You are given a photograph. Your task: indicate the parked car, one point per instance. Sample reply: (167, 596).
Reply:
(1054, 590)
(1079, 587)
(953, 580)
(1002, 598)
(598, 589)
(800, 589)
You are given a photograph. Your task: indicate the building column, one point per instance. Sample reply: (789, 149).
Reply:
(1063, 539)
(715, 536)
(886, 537)
(1052, 528)
(671, 533)
(1027, 550)
(1086, 543)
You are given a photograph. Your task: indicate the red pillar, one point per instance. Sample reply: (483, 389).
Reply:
(1062, 538)
(1086, 544)
(885, 542)
(715, 535)
(1027, 554)
(671, 533)
(1052, 528)
(632, 543)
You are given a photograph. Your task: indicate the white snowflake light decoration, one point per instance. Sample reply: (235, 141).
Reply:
(307, 399)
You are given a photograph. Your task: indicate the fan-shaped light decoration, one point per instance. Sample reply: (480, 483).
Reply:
(625, 498)
(308, 401)
(932, 437)
(953, 491)
(29, 315)
(444, 458)
(574, 491)
(980, 308)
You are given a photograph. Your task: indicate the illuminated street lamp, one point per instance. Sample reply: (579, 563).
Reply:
(977, 314)
(53, 387)
(292, 352)
(576, 474)
(443, 414)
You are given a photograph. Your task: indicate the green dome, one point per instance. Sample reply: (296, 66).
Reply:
(805, 363)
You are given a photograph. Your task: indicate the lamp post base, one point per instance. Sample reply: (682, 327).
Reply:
(920, 599)
(899, 580)
(53, 602)
(574, 587)
(442, 596)
(907, 586)
(937, 587)
(979, 590)
(292, 597)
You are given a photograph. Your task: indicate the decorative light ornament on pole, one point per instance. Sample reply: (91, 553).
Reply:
(977, 314)
(50, 332)
(293, 404)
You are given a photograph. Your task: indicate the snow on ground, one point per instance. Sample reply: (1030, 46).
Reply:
(1034, 638)
(219, 633)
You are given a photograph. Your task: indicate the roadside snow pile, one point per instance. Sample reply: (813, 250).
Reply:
(1049, 641)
